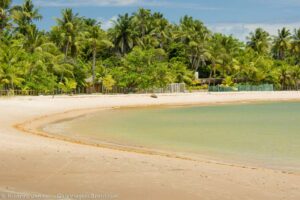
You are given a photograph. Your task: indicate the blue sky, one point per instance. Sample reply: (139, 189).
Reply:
(237, 17)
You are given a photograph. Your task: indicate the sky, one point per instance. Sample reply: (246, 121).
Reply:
(236, 17)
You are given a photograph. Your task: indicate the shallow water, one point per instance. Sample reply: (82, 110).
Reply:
(267, 134)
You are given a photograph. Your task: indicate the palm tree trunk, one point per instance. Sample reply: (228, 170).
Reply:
(94, 68)
(283, 83)
(66, 56)
(12, 85)
(212, 72)
(215, 71)
(281, 54)
(66, 50)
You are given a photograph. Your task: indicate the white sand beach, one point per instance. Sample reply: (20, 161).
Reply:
(31, 164)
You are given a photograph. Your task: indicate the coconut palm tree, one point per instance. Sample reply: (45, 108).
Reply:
(295, 47)
(122, 34)
(295, 73)
(34, 38)
(69, 27)
(195, 35)
(259, 41)
(24, 16)
(12, 58)
(4, 13)
(282, 43)
(97, 40)
(285, 75)
(232, 48)
(217, 53)
(162, 29)
(142, 22)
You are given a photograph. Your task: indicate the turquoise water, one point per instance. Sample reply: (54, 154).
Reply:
(267, 133)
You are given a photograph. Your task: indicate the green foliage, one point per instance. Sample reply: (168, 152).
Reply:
(68, 85)
(179, 73)
(228, 81)
(259, 41)
(143, 69)
(108, 82)
(142, 50)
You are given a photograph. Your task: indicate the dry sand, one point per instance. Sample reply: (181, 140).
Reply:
(37, 167)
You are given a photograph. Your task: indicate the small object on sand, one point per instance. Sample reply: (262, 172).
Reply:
(154, 96)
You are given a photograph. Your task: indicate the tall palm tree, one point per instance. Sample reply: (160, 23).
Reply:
(296, 76)
(231, 50)
(24, 16)
(217, 53)
(97, 39)
(296, 45)
(282, 43)
(67, 30)
(161, 31)
(34, 38)
(259, 41)
(69, 27)
(4, 13)
(195, 35)
(12, 63)
(149, 29)
(285, 75)
(122, 34)
(141, 21)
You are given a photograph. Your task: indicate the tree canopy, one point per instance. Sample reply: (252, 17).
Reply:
(141, 50)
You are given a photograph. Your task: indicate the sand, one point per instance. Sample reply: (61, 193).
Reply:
(37, 167)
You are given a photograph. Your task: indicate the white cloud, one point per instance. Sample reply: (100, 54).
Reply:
(242, 30)
(108, 23)
(75, 3)
(99, 3)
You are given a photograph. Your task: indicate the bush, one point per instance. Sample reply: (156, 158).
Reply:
(108, 82)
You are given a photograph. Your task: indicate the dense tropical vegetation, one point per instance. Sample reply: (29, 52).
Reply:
(142, 50)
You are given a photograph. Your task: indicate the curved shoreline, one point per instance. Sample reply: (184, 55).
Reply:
(35, 127)
(31, 164)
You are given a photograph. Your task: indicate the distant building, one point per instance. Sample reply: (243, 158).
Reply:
(196, 76)
(92, 88)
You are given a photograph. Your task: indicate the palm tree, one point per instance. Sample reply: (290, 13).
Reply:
(12, 63)
(282, 43)
(295, 47)
(149, 29)
(24, 16)
(216, 52)
(232, 48)
(141, 21)
(4, 12)
(285, 76)
(69, 26)
(296, 76)
(34, 38)
(259, 41)
(161, 31)
(122, 34)
(97, 39)
(195, 35)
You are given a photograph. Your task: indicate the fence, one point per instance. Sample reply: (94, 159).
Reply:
(20, 93)
(34, 92)
(241, 88)
(171, 88)
(265, 87)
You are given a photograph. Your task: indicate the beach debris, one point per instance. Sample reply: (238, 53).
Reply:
(154, 96)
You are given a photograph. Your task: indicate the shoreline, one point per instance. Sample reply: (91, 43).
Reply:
(64, 153)
(36, 127)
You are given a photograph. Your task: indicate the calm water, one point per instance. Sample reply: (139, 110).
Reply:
(267, 134)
